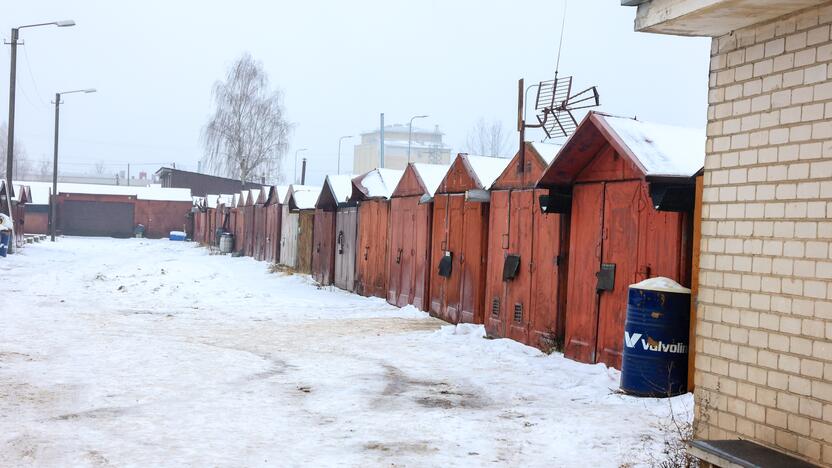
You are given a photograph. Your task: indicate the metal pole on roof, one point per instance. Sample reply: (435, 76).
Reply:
(410, 133)
(295, 179)
(303, 172)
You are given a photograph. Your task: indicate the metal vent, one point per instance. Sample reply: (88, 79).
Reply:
(495, 307)
(518, 312)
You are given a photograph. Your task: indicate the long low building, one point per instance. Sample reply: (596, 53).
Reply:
(108, 210)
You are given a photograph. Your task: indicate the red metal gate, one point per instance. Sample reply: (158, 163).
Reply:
(408, 281)
(372, 248)
(458, 237)
(528, 307)
(618, 228)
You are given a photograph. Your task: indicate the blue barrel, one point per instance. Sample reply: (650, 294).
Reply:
(4, 242)
(656, 335)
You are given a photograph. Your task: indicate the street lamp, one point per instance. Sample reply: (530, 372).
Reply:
(346, 137)
(410, 133)
(12, 83)
(52, 203)
(296, 163)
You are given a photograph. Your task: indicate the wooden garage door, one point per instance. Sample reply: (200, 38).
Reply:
(91, 218)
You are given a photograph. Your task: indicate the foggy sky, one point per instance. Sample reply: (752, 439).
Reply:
(338, 63)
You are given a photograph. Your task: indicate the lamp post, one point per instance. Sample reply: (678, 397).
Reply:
(53, 203)
(296, 164)
(346, 137)
(410, 133)
(12, 83)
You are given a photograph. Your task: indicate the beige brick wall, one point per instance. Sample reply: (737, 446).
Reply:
(764, 327)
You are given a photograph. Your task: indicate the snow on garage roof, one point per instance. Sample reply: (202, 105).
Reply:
(303, 196)
(547, 151)
(40, 191)
(487, 168)
(662, 150)
(379, 183)
(431, 175)
(281, 192)
(341, 187)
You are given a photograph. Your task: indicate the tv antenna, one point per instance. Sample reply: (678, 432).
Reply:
(557, 101)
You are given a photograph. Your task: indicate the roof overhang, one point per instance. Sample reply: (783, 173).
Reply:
(711, 18)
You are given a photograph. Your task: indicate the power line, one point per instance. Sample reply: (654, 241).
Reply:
(32, 77)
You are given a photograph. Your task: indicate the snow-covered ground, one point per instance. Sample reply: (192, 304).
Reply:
(155, 353)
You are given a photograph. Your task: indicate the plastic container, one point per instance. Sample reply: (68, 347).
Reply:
(656, 336)
(4, 242)
(177, 236)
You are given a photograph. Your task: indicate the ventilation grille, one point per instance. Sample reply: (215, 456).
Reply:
(518, 312)
(495, 307)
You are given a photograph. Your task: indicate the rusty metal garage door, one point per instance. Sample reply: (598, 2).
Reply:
(91, 218)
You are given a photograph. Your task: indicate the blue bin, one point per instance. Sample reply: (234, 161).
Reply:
(177, 236)
(4, 242)
(656, 339)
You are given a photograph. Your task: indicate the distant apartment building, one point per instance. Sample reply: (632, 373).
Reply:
(426, 146)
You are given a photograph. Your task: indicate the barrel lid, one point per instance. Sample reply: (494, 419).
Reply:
(663, 284)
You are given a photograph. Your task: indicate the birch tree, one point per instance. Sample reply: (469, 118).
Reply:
(488, 139)
(247, 134)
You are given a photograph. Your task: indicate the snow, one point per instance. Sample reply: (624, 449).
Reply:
(380, 182)
(661, 283)
(282, 190)
(662, 150)
(138, 352)
(547, 151)
(487, 169)
(341, 186)
(305, 196)
(431, 175)
(40, 191)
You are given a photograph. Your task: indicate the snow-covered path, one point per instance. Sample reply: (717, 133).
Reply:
(155, 353)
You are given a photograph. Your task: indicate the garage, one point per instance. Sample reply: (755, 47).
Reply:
(631, 186)
(460, 235)
(108, 216)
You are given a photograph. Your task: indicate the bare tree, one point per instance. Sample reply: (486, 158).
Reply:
(488, 139)
(21, 161)
(44, 168)
(248, 133)
(100, 167)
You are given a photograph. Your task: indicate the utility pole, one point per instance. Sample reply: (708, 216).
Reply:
(128, 174)
(53, 209)
(10, 138)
